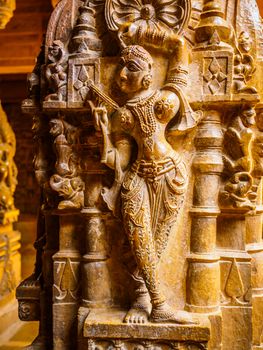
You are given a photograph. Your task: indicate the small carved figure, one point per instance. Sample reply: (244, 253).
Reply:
(238, 160)
(64, 137)
(151, 188)
(33, 81)
(97, 234)
(71, 189)
(244, 66)
(237, 190)
(240, 135)
(56, 72)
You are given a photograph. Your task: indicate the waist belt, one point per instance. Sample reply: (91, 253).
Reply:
(153, 169)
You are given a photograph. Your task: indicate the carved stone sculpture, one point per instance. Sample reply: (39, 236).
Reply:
(8, 171)
(148, 123)
(10, 262)
(56, 74)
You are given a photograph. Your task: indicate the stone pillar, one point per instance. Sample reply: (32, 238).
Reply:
(96, 287)
(46, 295)
(66, 284)
(96, 291)
(10, 275)
(254, 242)
(254, 248)
(10, 260)
(203, 280)
(235, 267)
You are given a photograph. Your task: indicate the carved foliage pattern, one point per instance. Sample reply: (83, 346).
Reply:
(120, 344)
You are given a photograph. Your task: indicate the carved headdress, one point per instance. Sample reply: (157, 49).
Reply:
(139, 52)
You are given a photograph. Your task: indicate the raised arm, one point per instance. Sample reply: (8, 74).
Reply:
(165, 41)
(175, 48)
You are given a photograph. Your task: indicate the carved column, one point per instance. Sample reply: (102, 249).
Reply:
(96, 288)
(10, 260)
(235, 279)
(96, 291)
(46, 295)
(203, 283)
(66, 285)
(254, 242)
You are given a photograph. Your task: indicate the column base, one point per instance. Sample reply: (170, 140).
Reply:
(237, 328)
(105, 329)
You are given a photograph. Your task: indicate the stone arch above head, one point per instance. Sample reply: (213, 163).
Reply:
(61, 23)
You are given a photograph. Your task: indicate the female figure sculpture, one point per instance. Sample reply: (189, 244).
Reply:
(152, 188)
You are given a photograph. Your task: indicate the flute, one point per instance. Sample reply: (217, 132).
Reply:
(105, 98)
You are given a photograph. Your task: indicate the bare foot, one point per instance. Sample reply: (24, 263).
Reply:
(139, 311)
(163, 313)
(136, 316)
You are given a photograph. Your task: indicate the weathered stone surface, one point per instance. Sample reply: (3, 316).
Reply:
(149, 165)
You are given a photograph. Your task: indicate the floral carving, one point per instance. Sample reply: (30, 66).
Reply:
(121, 344)
(147, 14)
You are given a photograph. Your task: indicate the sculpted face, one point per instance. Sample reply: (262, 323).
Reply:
(134, 71)
(56, 127)
(55, 51)
(248, 117)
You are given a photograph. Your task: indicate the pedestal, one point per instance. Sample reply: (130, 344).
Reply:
(104, 329)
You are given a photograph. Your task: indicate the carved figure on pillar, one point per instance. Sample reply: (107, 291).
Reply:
(152, 188)
(150, 221)
(65, 182)
(244, 66)
(56, 72)
(238, 160)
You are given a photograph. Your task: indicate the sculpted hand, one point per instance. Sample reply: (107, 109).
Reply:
(128, 33)
(101, 118)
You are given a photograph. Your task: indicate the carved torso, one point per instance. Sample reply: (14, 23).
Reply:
(146, 121)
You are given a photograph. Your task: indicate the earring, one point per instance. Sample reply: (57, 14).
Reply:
(146, 81)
